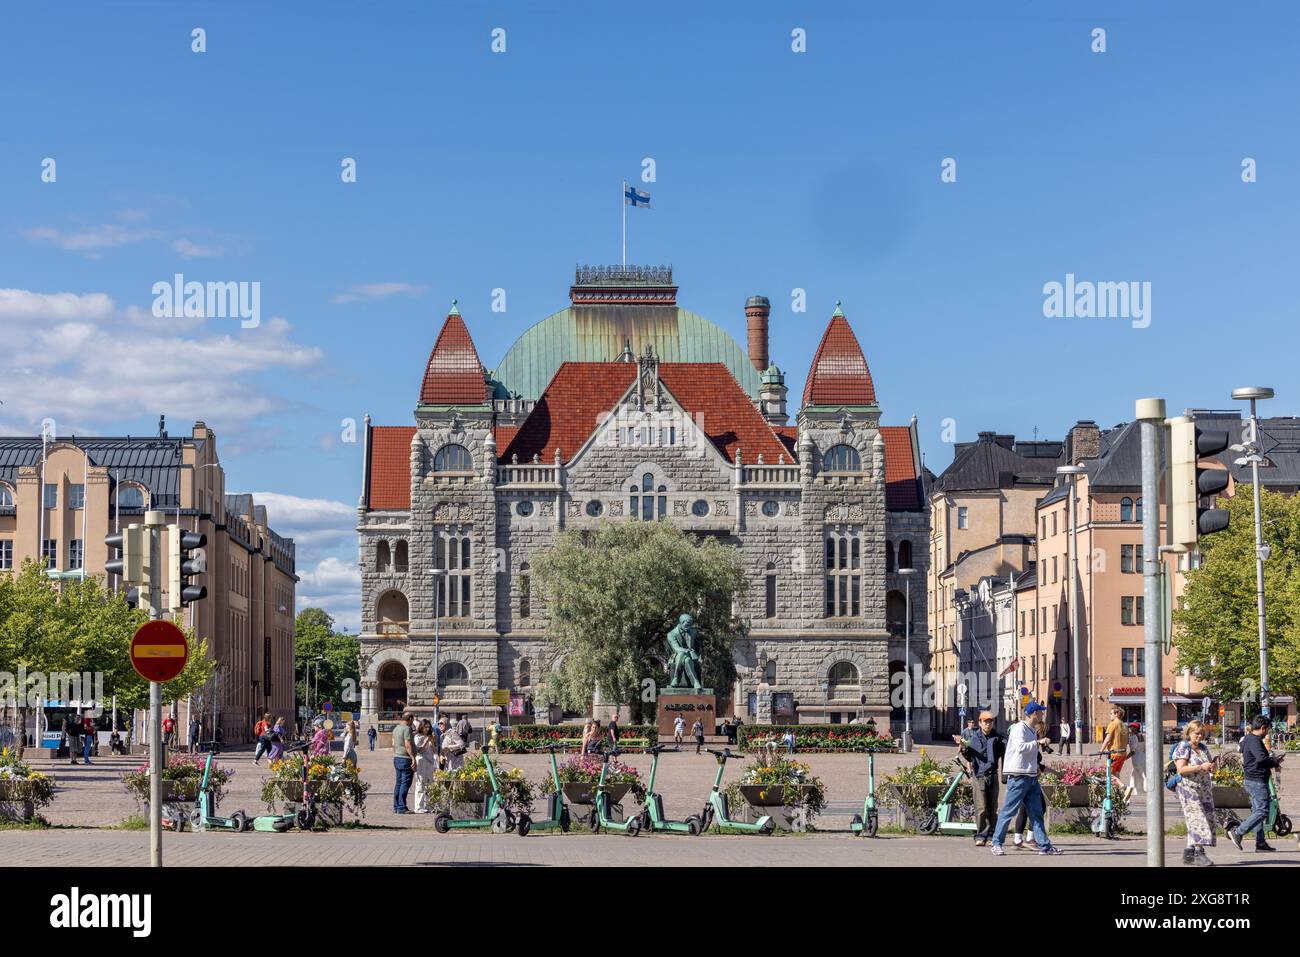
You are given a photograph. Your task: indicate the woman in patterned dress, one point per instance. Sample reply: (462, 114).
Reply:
(1195, 790)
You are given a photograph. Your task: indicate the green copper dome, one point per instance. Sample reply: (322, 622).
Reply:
(599, 333)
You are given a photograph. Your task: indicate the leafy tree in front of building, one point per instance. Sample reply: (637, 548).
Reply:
(1216, 627)
(612, 594)
(339, 677)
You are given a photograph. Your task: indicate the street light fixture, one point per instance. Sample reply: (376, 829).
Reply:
(1074, 471)
(1253, 394)
(907, 574)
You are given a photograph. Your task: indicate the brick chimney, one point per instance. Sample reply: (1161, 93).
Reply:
(757, 309)
(1084, 441)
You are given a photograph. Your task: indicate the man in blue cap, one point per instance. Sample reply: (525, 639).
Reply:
(1020, 765)
(983, 748)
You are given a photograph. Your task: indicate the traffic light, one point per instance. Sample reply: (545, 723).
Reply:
(131, 566)
(184, 561)
(1189, 482)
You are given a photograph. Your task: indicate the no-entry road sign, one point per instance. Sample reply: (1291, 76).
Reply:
(158, 651)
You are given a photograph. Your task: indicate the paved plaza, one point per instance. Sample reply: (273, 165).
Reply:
(91, 801)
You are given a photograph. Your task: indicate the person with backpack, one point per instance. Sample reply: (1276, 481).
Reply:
(262, 735)
(1193, 782)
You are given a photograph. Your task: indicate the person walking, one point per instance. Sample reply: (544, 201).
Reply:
(320, 740)
(88, 732)
(275, 748)
(1065, 736)
(465, 730)
(262, 734)
(697, 729)
(72, 735)
(169, 732)
(1195, 789)
(1137, 752)
(1257, 763)
(350, 737)
(613, 731)
(453, 749)
(788, 740)
(403, 762)
(983, 748)
(371, 733)
(1021, 823)
(425, 742)
(1116, 741)
(679, 729)
(1020, 764)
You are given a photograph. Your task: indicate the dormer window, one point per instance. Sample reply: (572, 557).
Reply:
(453, 458)
(842, 458)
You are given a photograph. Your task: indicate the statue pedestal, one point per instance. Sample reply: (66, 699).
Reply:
(692, 705)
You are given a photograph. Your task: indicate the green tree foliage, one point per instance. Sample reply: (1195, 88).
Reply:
(340, 677)
(1216, 628)
(613, 594)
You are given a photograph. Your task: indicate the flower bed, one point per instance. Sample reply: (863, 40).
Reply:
(584, 770)
(23, 791)
(470, 785)
(917, 788)
(778, 781)
(1081, 784)
(182, 775)
(814, 737)
(524, 738)
(333, 781)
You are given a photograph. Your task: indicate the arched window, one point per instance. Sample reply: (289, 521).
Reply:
(525, 673)
(383, 557)
(905, 554)
(525, 592)
(392, 613)
(453, 675)
(453, 458)
(769, 581)
(895, 612)
(130, 496)
(889, 556)
(843, 678)
(841, 458)
(1126, 509)
(647, 482)
(769, 673)
(399, 556)
(6, 497)
(1137, 512)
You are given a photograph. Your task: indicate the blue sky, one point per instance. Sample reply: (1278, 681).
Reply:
(775, 171)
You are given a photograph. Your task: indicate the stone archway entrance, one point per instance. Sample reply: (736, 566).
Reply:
(392, 690)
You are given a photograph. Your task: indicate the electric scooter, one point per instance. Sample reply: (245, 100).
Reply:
(302, 816)
(868, 822)
(204, 817)
(717, 811)
(557, 812)
(601, 816)
(1105, 823)
(940, 819)
(1277, 822)
(652, 816)
(495, 813)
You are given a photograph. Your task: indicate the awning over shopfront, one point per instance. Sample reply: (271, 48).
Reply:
(1141, 699)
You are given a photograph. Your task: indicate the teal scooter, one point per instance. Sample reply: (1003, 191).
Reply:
(940, 820)
(204, 817)
(601, 815)
(1106, 823)
(717, 812)
(557, 812)
(1277, 822)
(652, 817)
(495, 813)
(867, 824)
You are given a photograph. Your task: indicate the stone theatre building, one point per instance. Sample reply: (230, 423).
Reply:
(626, 407)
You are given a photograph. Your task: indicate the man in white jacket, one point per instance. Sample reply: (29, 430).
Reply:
(1020, 765)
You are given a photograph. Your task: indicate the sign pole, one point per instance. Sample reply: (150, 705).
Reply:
(154, 521)
(1151, 416)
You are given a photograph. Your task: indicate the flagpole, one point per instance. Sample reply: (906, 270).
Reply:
(623, 199)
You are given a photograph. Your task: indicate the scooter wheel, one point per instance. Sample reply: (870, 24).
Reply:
(1282, 826)
(441, 823)
(931, 824)
(501, 824)
(196, 820)
(238, 821)
(633, 826)
(855, 825)
(593, 822)
(1108, 829)
(768, 828)
(693, 825)
(872, 827)
(706, 818)
(645, 821)
(565, 820)
(523, 825)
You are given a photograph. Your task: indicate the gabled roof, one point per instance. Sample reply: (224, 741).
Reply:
(454, 374)
(581, 392)
(839, 373)
(993, 462)
(1119, 466)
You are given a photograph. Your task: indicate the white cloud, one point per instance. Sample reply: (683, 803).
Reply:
(89, 238)
(193, 250)
(379, 290)
(334, 585)
(317, 525)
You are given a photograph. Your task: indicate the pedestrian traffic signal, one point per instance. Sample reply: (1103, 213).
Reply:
(132, 563)
(1189, 482)
(185, 560)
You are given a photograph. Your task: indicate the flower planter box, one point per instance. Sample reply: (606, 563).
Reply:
(1076, 795)
(932, 793)
(767, 796)
(15, 805)
(1231, 797)
(584, 792)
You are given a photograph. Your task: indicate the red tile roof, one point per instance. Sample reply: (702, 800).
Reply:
(570, 409)
(390, 467)
(900, 469)
(839, 373)
(454, 375)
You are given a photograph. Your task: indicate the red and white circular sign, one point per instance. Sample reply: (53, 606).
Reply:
(159, 651)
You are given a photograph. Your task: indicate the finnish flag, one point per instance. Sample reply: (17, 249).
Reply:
(634, 197)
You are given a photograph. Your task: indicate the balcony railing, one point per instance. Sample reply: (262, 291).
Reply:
(769, 475)
(395, 628)
(529, 473)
